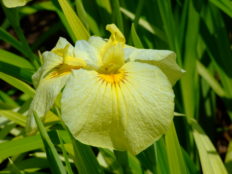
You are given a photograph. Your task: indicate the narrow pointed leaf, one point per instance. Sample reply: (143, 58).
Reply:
(74, 22)
(210, 160)
(175, 156)
(14, 116)
(56, 165)
(20, 85)
(210, 79)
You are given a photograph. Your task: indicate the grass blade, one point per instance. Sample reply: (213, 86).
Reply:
(135, 38)
(56, 165)
(117, 16)
(224, 5)
(24, 74)
(18, 84)
(14, 59)
(26, 144)
(86, 18)
(14, 116)
(161, 157)
(67, 163)
(210, 160)
(85, 159)
(175, 156)
(210, 79)
(5, 36)
(74, 22)
(228, 160)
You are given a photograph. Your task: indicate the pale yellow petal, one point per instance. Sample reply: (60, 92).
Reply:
(44, 98)
(116, 34)
(61, 44)
(88, 53)
(14, 3)
(127, 114)
(164, 59)
(112, 59)
(97, 42)
(52, 59)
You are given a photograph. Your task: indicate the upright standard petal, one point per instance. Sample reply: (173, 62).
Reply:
(97, 42)
(124, 111)
(88, 53)
(164, 59)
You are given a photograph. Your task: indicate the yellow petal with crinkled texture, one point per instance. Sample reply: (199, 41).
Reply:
(14, 3)
(51, 60)
(88, 53)
(51, 78)
(124, 111)
(116, 35)
(63, 47)
(44, 98)
(164, 59)
(97, 42)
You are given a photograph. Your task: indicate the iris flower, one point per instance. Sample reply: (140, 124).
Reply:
(51, 78)
(115, 96)
(122, 97)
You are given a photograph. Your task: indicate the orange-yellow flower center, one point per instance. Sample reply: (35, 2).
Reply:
(113, 78)
(61, 70)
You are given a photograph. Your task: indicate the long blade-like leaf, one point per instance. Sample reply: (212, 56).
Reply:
(74, 22)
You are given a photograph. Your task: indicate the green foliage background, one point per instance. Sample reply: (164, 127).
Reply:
(200, 33)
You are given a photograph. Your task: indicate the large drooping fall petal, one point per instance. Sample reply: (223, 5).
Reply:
(124, 111)
(46, 93)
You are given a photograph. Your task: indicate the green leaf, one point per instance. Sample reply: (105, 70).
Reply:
(5, 130)
(228, 160)
(8, 100)
(210, 79)
(135, 39)
(5, 36)
(146, 25)
(56, 165)
(189, 162)
(62, 17)
(89, 22)
(174, 153)
(26, 144)
(14, 116)
(17, 146)
(14, 19)
(161, 157)
(84, 158)
(169, 25)
(224, 5)
(20, 85)
(210, 160)
(14, 59)
(31, 164)
(128, 162)
(117, 16)
(66, 159)
(24, 74)
(74, 22)
(138, 12)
